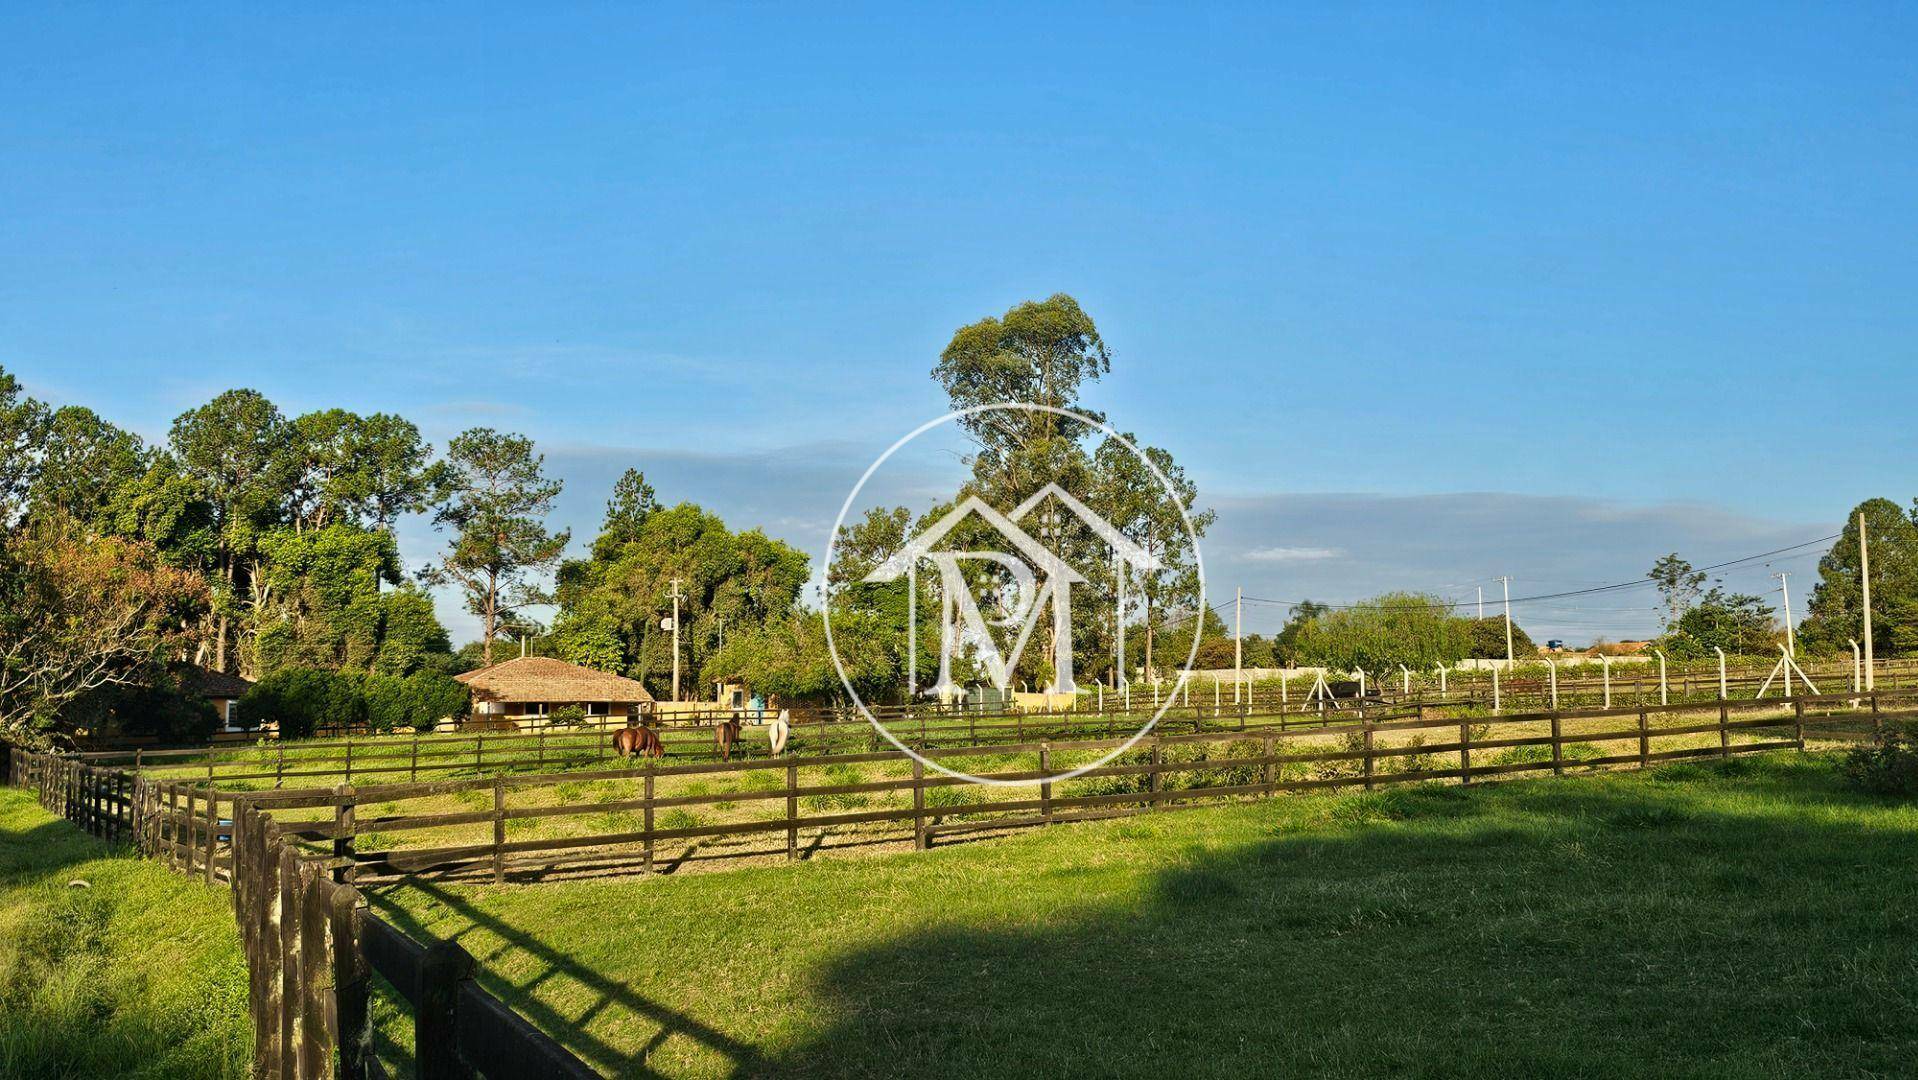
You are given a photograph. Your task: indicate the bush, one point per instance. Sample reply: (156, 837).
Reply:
(420, 700)
(567, 716)
(300, 700)
(1888, 766)
(159, 711)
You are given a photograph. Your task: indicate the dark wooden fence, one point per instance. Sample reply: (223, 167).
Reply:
(390, 758)
(312, 945)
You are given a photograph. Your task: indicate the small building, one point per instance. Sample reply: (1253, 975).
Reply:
(525, 690)
(216, 688)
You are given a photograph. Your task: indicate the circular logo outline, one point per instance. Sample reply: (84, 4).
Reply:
(1198, 559)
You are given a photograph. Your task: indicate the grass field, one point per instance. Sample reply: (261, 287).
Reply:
(1743, 918)
(138, 974)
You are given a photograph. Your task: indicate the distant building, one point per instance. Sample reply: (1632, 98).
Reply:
(525, 690)
(216, 688)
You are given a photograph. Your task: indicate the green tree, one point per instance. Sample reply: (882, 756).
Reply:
(632, 503)
(1377, 635)
(234, 450)
(22, 427)
(419, 701)
(1486, 640)
(85, 463)
(1039, 353)
(1836, 610)
(615, 599)
(1738, 623)
(363, 470)
(1678, 584)
(1286, 645)
(495, 500)
(79, 612)
(302, 700)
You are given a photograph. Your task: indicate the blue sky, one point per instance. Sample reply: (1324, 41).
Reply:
(1420, 296)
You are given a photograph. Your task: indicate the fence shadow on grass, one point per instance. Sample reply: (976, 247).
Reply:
(555, 965)
(48, 848)
(1653, 925)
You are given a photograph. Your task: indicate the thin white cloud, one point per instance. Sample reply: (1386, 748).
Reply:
(1291, 554)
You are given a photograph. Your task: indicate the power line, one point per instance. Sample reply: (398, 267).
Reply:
(1637, 583)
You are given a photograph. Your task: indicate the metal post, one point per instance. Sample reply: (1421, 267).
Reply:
(1605, 662)
(1662, 696)
(1496, 706)
(1507, 582)
(1238, 643)
(1721, 672)
(675, 639)
(1864, 580)
(1791, 639)
(1857, 663)
(1551, 666)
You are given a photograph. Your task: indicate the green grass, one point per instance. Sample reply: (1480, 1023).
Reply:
(138, 974)
(1746, 918)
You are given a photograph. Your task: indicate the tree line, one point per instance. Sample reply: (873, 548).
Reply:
(258, 544)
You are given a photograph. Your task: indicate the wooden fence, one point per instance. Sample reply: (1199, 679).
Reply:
(389, 758)
(312, 945)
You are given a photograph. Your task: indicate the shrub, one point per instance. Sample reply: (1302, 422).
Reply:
(146, 710)
(567, 716)
(300, 700)
(1888, 766)
(419, 700)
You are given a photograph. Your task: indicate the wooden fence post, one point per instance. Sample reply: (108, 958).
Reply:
(279, 765)
(1156, 782)
(349, 760)
(264, 952)
(1724, 729)
(1558, 746)
(413, 769)
(1368, 756)
(1644, 739)
(354, 1034)
(1267, 768)
(792, 811)
(316, 975)
(499, 830)
(919, 804)
(649, 817)
(435, 1023)
(1465, 753)
(1045, 786)
(343, 829)
(212, 831)
(189, 822)
(1798, 721)
(291, 1018)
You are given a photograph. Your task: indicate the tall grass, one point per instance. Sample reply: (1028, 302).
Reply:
(138, 972)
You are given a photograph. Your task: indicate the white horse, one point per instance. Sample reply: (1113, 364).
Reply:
(778, 732)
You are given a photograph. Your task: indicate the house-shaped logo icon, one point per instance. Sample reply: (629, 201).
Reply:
(1037, 577)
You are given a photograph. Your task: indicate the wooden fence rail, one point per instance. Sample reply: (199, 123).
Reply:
(389, 758)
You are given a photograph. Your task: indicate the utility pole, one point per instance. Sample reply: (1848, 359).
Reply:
(1481, 603)
(1864, 578)
(1791, 641)
(1509, 659)
(675, 639)
(1238, 643)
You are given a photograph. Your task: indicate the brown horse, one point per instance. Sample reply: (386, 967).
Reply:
(725, 734)
(641, 741)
